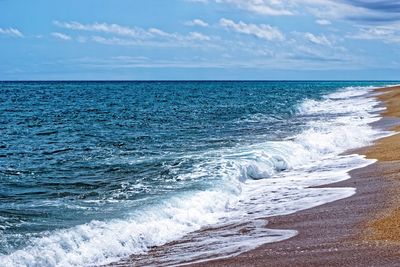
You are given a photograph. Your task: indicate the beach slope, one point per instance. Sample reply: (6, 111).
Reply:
(363, 230)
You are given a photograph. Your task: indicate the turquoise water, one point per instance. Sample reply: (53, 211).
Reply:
(105, 154)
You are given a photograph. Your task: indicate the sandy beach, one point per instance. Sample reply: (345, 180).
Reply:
(363, 230)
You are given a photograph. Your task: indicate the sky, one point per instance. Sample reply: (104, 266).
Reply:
(199, 40)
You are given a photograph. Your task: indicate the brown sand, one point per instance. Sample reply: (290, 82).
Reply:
(388, 150)
(362, 230)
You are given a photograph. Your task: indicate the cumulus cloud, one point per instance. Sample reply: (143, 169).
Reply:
(261, 31)
(61, 36)
(196, 22)
(11, 32)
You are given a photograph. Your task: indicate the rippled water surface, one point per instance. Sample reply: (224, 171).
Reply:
(97, 171)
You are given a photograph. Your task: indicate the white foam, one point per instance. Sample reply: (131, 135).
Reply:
(241, 193)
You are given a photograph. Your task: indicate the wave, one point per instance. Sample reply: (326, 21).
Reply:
(264, 179)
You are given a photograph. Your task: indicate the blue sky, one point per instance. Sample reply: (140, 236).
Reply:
(199, 39)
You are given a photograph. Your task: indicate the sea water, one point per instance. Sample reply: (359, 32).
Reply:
(93, 172)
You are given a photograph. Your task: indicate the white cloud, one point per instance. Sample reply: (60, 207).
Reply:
(264, 7)
(102, 27)
(315, 39)
(193, 39)
(11, 32)
(330, 9)
(192, 36)
(323, 10)
(261, 31)
(323, 22)
(198, 1)
(196, 22)
(155, 31)
(61, 36)
(198, 36)
(114, 34)
(387, 33)
(113, 41)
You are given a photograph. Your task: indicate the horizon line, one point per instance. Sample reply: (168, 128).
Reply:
(206, 80)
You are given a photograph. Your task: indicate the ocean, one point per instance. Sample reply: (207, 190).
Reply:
(93, 172)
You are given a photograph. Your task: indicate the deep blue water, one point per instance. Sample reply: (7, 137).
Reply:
(73, 152)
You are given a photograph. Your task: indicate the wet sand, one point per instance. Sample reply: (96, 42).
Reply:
(363, 230)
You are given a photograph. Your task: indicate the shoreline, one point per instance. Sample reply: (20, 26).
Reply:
(362, 230)
(330, 234)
